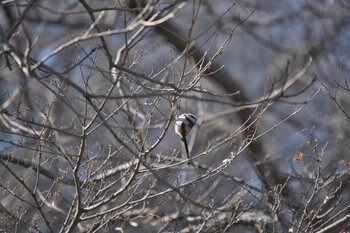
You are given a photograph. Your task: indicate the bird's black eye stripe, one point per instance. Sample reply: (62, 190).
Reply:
(191, 120)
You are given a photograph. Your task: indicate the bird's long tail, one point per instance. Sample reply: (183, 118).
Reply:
(186, 147)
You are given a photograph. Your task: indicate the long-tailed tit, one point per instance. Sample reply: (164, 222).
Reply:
(183, 126)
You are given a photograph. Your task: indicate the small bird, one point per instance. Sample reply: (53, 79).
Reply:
(183, 126)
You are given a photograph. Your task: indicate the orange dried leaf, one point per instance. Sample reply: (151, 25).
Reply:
(345, 162)
(299, 156)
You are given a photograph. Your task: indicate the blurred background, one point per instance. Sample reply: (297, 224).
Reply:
(90, 90)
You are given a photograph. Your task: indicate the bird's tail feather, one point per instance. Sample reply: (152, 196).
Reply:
(186, 147)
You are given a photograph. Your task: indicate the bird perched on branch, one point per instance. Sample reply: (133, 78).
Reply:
(183, 126)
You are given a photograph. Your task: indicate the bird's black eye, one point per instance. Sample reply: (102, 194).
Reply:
(191, 120)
